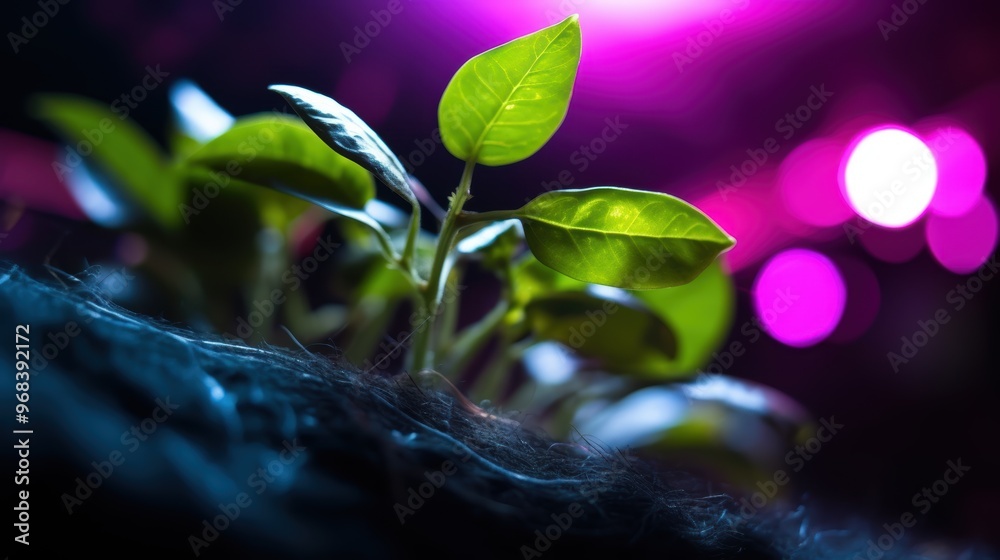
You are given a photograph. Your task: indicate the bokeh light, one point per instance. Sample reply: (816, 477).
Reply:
(963, 243)
(799, 297)
(889, 177)
(961, 170)
(809, 185)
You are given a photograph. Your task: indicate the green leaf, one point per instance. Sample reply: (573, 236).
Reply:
(349, 136)
(269, 149)
(120, 149)
(626, 238)
(533, 279)
(621, 336)
(503, 105)
(701, 312)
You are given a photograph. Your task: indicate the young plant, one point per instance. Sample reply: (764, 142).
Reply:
(501, 107)
(628, 280)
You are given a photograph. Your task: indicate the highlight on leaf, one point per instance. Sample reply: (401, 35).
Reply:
(503, 105)
(619, 237)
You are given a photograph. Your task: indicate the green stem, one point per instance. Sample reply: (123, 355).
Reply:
(469, 218)
(433, 290)
(407, 262)
(474, 338)
(445, 333)
(491, 382)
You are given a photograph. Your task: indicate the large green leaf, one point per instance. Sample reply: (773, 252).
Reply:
(621, 336)
(349, 136)
(701, 312)
(119, 148)
(503, 105)
(620, 237)
(275, 149)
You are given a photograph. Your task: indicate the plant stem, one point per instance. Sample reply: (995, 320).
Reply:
(475, 337)
(433, 291)
(407, 262)
(469, 218)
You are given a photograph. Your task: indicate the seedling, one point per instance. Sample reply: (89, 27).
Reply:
(626, 279)
(501, 107)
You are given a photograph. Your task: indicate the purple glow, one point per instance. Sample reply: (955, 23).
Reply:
(963, 243)
(889, 176)
(889, 245)
(799, 297)
(863, 300)
(961, 170)
(809, 185)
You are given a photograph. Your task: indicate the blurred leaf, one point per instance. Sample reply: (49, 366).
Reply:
(701, 312)
(121, 150)
(196, 115)
(623, 338)
(496, 243)
(349, 136)
(619, 237)
(272, 149)
(533, 279)
(503, 105)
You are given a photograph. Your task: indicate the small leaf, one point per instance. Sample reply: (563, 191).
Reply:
(273, 148)
(701, 311)
(621, 336)
(120, 149)
(503, 105)
(349, 136)
(626, 238)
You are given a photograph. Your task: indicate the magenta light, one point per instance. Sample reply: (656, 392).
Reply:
(799, 297)
(809, 185)
(961, 170)
(889, 245)
(889, 176)
(963, 243)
